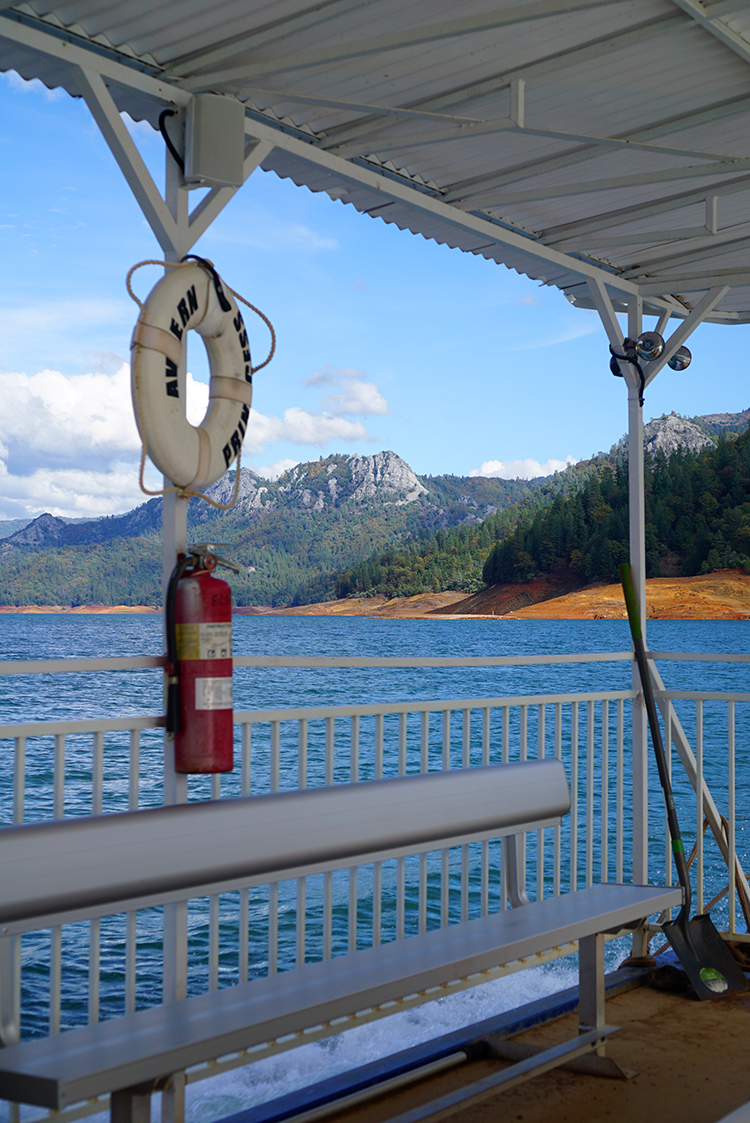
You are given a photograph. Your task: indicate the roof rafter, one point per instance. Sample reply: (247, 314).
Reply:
(554, 236)
(716, 245)
(468, 128)
(478, 186)
(529, 71)
(270, 32)
(361, 48)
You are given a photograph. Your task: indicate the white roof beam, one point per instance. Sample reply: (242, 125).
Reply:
(479, 186)
(105, 113)
(559, 235)
(705, 17)
(414, 37)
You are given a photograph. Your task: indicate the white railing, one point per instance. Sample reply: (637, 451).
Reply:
(89, 767)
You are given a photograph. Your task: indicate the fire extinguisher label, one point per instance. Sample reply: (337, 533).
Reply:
(204, 641)
(213, 694)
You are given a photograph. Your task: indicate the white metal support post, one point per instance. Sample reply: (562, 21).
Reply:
(176, 229)
(174, 542)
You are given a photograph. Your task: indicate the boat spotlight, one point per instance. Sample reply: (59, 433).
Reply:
(649, 345)
(680, 360)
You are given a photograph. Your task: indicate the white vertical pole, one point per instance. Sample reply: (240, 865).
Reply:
(174, 541)
(637, 510)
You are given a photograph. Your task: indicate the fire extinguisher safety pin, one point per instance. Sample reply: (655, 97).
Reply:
(205, 550)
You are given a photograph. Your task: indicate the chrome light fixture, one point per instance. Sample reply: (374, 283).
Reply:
(649, 346)
(680, 360)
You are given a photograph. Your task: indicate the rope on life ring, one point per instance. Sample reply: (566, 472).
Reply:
(190, 297)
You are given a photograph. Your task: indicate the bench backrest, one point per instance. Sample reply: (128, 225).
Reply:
(69, 869)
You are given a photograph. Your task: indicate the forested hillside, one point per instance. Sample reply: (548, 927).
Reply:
(697, 520)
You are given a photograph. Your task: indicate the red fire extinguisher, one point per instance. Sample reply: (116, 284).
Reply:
(199, 663)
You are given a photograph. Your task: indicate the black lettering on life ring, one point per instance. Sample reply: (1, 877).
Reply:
(227, 455)
(236, 442)
(192, 299)
(175, 329)
(171, 373)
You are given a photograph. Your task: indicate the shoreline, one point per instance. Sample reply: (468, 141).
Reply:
(722, 595)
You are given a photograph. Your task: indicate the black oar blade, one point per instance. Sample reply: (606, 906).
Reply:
(705, 958)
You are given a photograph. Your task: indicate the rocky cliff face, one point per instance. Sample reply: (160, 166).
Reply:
(669, 433)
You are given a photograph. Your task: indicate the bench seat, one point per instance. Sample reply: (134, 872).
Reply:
(142, 1047)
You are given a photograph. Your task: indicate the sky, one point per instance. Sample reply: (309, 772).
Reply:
(385, 340)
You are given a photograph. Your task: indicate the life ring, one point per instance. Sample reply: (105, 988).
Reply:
(189, 298)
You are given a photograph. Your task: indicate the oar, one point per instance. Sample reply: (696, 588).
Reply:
(705, 958)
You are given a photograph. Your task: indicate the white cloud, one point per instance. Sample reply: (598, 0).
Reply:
(273, 471)
(522, 469)
(586, 326)
(358, 396)
(70, 445)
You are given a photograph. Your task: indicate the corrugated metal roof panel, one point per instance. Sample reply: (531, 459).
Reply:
(641, 71)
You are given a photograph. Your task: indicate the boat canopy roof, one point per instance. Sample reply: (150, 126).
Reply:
(571, 140)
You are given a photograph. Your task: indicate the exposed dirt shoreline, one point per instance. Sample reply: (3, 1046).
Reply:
(724, 595)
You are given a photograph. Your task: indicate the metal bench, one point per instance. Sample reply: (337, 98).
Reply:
(73, 869)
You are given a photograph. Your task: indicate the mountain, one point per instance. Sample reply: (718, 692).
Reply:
(344, 525)
(292, 536)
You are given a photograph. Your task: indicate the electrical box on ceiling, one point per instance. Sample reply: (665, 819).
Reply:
(214, 141)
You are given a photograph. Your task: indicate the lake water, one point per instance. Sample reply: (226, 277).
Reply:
(89, 696)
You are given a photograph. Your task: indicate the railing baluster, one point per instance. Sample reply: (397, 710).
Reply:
(131, 918)
(466, 763)
(401, 862)
(58, 812)
(620, 811)
(273, 889)
(19, 779)
(604, 864)
(353, 873)
(424, 766)
(273, 928)
(377, 871)
(556, 831)
(213, 911)
(505, 757)
(243, 926)
(275, 754)
(445, 854)
(95, 925)
(589, 793)
(485, 866)
(699, 804)
(730, 816)
(540, 749)
(301, 914)
(573, 797)
(667, 839)
(328, 877)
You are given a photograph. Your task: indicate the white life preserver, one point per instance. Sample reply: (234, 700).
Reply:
(190, 298)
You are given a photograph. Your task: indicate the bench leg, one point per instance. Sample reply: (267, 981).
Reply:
(131, 1105)
(591, 985)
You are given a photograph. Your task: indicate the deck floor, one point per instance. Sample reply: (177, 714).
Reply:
(692, 1061)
